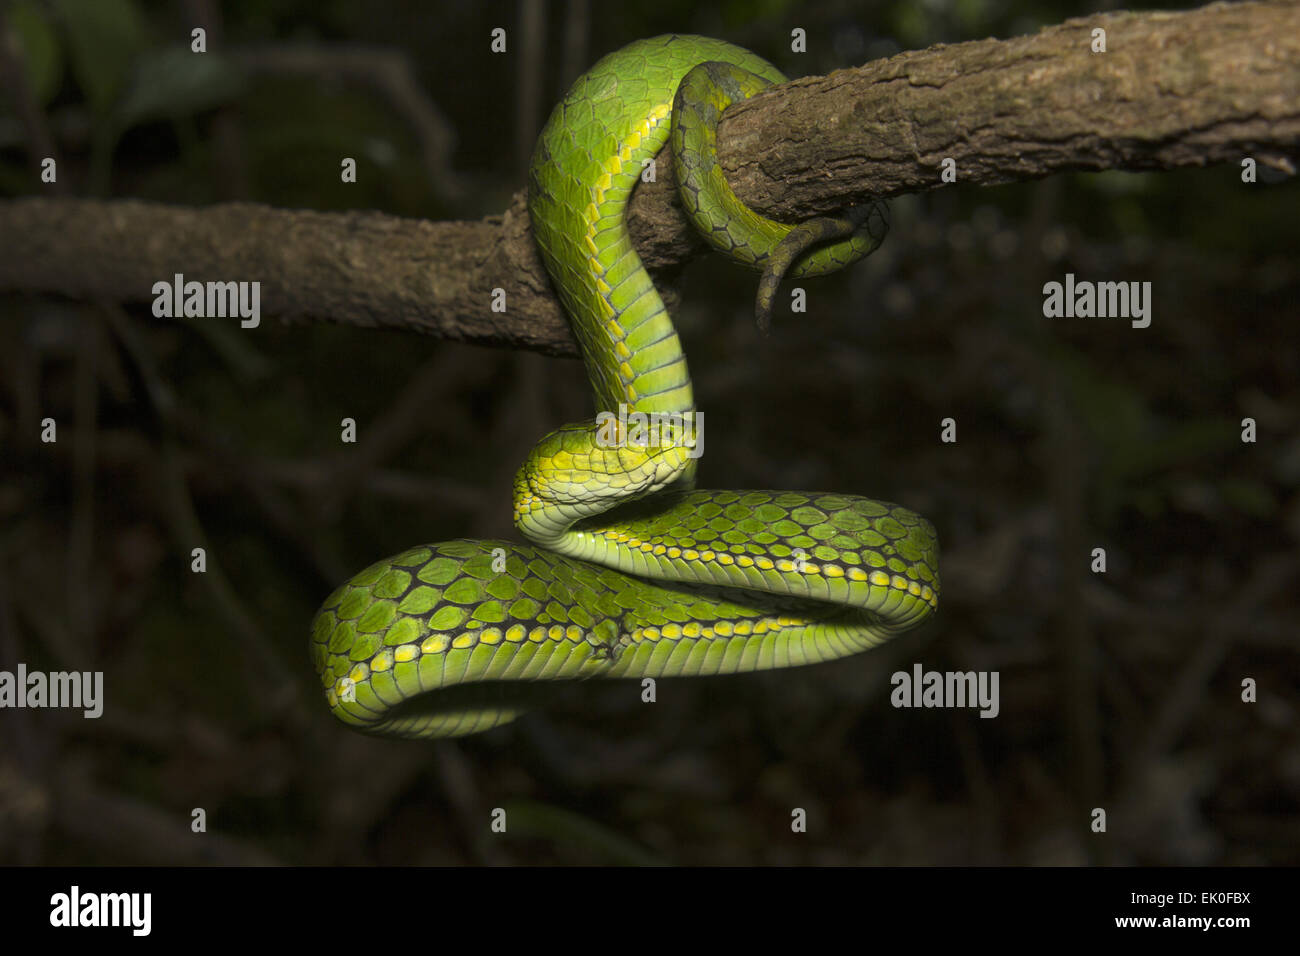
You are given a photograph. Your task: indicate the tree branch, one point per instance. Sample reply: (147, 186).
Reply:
(1175, 89)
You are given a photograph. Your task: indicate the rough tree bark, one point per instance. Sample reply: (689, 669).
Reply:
(1213, 85)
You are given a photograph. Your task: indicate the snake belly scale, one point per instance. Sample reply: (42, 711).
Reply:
(631, 571)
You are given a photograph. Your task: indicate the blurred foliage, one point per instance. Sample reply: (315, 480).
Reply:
(945, 320)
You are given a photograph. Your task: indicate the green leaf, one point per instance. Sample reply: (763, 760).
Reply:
(173, 82)
(1250, 497)
(39, 46)
(104, 37)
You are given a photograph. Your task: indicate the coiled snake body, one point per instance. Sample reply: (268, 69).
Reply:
(634, 573)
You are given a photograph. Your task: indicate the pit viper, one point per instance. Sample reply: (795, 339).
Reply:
(631, 572)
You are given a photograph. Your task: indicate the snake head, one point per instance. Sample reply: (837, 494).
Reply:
(582, 470)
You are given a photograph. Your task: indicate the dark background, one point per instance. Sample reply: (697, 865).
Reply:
(1119, 690)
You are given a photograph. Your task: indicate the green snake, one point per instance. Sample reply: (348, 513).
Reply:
(631, 572)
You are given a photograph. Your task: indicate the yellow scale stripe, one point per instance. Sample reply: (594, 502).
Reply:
(516, 633)
(877, 578)
(613, 168)
(694, 629)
